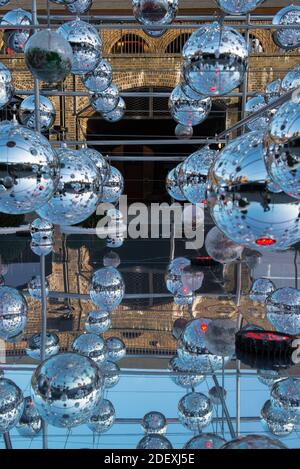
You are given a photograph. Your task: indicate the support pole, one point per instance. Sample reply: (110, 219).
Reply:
(7, 440)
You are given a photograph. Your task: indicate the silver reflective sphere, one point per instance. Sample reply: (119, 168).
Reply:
(30, 423)
(35, 287)
(202, 361)
(4, 2)
(205, 441)
(193, 174)
(92, 346)
(291, 80)
(188, 380)
(184, 296)
(28, 169)
(238, 7)
(33, 349)
(220, 248)
(66, 388)
(220, 337)
(242, 206)
(154, 423)
(111, 374)
(13, 313)
(116, 349)
(155, 441)
(187, 111)
(113, 187)
(111, 259)
(286, 394)
(193, 335)
(283, 310)
(98, 322)
(254, 442)
(174, 274)
(115, 241)
(79, 7)
(86, 45)
(105, 101)
(103, 417)
(261, 289)
(268, 377)
(101, 163)
(277, 420)
(287, 39)
(155, 13)
(216, 394)
(76, 194)
(215, 60)
(6, 86)
(183, 132)
(255, 104)
(49, 56)
(16, 39)
(117, 113)
(11, 404)
(41, 249)
(41, 231)
(192, 278)
(273, 91)
(107, 288)
(100, 78)
(47, 113)
(195, 411)
(173, 186)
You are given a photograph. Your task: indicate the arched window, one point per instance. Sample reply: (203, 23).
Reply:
(176, 46)
(130, 44)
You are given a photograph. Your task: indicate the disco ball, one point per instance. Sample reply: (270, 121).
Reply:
(155, 441)
(178, 327)
(27, 113)
(111, 259)
(187, 111)
(193, 335)
(287, 39)
(116, 349)
(255, 104)
(35, 287)
(172, 185)
(34, 345)
(29, 169)
(201, 361)
(154, 423)
(268, 377)
(91, 346)
(238, 7)
(103, 417)
(215, 60)
(6, 86)
(261, 289)
(184, 296)
(254, 442)
(242, 206)
(155, 13)
(66, 388)
(111, 374)
(273, 91)
(30, 423)
(184, 376)
(216, 394)
(188, 91)
(113, 187)
(107, 288)
(114, 215)
(183, 132)
(291, 80)
(205, 441)
(49, 56)
(100, 161)
(13, 313)
(107, 100)
(195, 411)
(192, 278)
(41, 231)
(174, 274)
(283, 310)
(220, 248)
(114, 241)
(277, 420)
(11, 404)
(41, 249)
(117, 113)
(220, 337)
(286, 394)
(281, 144)
(79, 7)
(76, 195)
(86, 45)
(193, 174)
(16, 39)
(98, 322)
(100, 78)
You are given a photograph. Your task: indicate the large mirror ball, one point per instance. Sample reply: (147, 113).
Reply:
(238, 7)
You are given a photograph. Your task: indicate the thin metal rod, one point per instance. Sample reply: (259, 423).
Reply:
(224, 406)
(170, 141)
(7, 440)
(43, 308)
(35, 80)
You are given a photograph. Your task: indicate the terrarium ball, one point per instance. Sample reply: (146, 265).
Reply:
(100, 78)
(6, 86)
(92, 346)
(98, 322)
(215, 60)
(34, 345)
(255, 104)
(254, 442)
(238, 7)
(49, 56)
(101, 163)
(287, 39)
(111, 259)
(30, 423)
(195, 411)
(116, 114)
(27, 113)
(41, 231)
(116, 349)
(13, 313)
(273, 91)
(216, 394)
(154, 422)
(184, 376)
(16, 39)
(155, 13)
(283, 310)
(79, 7)
(242, 206)
(291, 80)
(86, 45)
(183, 132)
(220, 248)
(107, 288)
(277, 420)
(261, 289)
(113, 187)
(105, 101)
(268, 377)
(76, 195)
(29, 169)
(173, 186)
(154, 441)
(66, 388)
(286, 394)
(103, 417)
(220, 337)
(111, 374)
(187, 111)
(205, 441)
(11, 404)
(35, 287)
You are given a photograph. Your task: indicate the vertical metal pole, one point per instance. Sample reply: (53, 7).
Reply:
(7, 440)
(43, 332)
(238, 363)
(245, 82)
(224, 406)
(36, 81)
